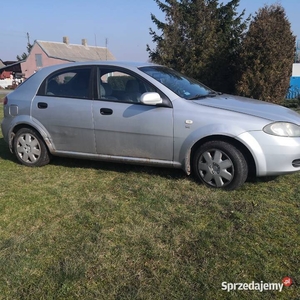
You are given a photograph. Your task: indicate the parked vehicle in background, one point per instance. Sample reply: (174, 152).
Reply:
(148, 114)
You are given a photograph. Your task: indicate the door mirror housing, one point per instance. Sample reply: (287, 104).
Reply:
(151, 99)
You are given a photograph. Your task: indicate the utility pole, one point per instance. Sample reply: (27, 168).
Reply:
(106, 42)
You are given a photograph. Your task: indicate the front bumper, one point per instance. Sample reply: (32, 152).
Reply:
(273, 155)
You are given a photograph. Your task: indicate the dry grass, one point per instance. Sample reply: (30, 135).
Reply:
(89, 230)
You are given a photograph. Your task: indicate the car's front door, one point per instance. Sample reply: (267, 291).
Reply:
(124, 126)
(63, 106)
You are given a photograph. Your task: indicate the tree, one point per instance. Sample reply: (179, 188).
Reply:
(267, 56)
(232, 27)
(29, 46)
(199, 38)
(24, 55)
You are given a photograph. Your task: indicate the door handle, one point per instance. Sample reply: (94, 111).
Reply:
(42, 105)
(106, 111)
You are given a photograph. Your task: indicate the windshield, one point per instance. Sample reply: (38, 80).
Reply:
(183, 86)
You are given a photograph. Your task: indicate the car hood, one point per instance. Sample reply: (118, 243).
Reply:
(252, 107)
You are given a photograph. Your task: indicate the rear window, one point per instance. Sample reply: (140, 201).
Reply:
(69, 83)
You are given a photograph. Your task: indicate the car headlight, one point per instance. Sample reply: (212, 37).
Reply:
(283, 129)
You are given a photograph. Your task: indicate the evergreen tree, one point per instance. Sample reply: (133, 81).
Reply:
(24, 55)
(267, 56)
(201, 39)
(232, 28)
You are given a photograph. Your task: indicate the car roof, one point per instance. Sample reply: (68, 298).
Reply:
(33, 82)
(125, 64)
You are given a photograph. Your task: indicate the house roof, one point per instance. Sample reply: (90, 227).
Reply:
(1, 64)
(74, 52)
(13, 66)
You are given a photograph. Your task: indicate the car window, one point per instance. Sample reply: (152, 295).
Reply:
(73, 83)
(180, 84)
(117, 85)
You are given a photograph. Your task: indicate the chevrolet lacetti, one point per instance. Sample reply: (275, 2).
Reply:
(148, 114)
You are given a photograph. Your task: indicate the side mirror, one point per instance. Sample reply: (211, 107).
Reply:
(151, 99)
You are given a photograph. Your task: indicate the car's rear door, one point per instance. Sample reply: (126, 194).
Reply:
(63, 106)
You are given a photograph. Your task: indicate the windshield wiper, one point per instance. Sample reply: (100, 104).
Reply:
(198, 96)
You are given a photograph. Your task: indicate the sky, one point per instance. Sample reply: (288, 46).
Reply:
(124, 24)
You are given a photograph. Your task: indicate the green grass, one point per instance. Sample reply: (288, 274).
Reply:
(79, 229)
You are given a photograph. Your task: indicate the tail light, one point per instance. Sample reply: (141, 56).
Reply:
(5, 100)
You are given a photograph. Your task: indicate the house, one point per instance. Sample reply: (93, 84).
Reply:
(45, 54)
(10, 73)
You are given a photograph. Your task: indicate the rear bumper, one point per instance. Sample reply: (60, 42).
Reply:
(5, 129)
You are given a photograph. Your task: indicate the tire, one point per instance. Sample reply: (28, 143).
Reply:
(219, 164)
(30, 149)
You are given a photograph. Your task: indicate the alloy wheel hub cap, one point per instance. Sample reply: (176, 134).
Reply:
(214, 168)
(27, 148)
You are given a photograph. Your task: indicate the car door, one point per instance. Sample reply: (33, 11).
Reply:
(124, 126)
(63, 105)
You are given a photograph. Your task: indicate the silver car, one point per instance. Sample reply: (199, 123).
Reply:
(148, 114)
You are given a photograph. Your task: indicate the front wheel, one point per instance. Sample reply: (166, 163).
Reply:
(219, 164)
(30, 148)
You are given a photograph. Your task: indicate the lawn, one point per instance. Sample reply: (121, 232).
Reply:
(79, 229)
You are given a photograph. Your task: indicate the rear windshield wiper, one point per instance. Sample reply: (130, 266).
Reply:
(198, 96)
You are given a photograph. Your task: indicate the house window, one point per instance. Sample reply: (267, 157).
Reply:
(38, 60)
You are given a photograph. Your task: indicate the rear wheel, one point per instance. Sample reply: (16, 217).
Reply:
(30, 148)
(219, 164)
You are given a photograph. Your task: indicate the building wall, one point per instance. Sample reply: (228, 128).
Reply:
(296, 70)
(4, 83)
(294, 89)
(30, 65)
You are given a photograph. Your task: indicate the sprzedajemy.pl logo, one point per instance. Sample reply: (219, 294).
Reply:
(256, 286)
